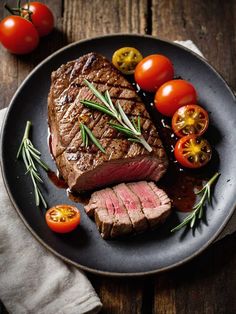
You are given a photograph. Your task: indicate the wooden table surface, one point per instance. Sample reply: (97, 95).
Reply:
(208, 283)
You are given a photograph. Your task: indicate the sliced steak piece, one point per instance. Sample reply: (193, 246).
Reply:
(88, 168)
(102, 212)
(122, 224)
(133, 207)
(155, 203)
(127, 208)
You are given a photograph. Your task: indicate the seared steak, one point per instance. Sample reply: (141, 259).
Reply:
(128, 208)
(88, 168)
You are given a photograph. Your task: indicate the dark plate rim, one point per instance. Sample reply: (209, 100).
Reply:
(65, 259)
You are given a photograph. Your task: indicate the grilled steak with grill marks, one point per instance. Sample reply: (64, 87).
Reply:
(88, 168)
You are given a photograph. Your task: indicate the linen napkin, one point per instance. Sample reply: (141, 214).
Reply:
(32, 280)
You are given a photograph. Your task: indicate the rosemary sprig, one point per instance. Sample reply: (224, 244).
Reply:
(131, 129)
(197, 212)
(29, 155)
(86, 133)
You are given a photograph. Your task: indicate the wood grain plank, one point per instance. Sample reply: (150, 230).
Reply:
(210, 24)
(83, 19)
(164, 295)
(123, 295)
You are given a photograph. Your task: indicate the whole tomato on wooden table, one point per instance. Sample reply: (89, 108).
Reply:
(18, 35)
(41, 16)
(20, 32)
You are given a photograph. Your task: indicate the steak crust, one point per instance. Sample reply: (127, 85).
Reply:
(88, 168)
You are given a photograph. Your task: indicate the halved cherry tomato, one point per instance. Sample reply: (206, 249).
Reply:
(41, 17)
(126, 59)
(190, 119)
(153, 71)
(63, 218)
(18, 35)
(174, 94)
(192, 151)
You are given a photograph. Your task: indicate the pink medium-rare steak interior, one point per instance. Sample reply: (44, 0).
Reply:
(128, 208)
(138, 168)
(88, 168)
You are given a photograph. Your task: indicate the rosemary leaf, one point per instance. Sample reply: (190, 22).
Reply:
(126, 120)
(37, 201)
(139, 124)
(134, 124)
(93, 138)
(134, 140)
(96, 106)
(20, 149)
(83, 134)
(113, 109)
(96, 92)
(42, 198)
(32, 148)
(86, 140)
(121, 129)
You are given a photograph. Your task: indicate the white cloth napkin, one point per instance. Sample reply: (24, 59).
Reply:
(32, 280)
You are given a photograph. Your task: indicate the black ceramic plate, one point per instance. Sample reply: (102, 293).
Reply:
(153, 251)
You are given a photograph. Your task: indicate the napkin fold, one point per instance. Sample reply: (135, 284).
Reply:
(32, 280)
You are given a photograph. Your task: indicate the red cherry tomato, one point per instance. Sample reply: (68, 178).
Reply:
(192, 151)
(42, 17)
(153, 71)
(190, 119)
(62, 218)
(174, 94)
(18, 35)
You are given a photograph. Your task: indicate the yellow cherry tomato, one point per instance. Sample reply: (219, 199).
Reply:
(125, 59)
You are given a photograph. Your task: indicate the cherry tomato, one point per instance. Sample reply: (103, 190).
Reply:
(190, 119)
(174, 94)
(192, 151)
(18, 35)
(63, 218)
(153, 71)
(42, 17)
(126, 59)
